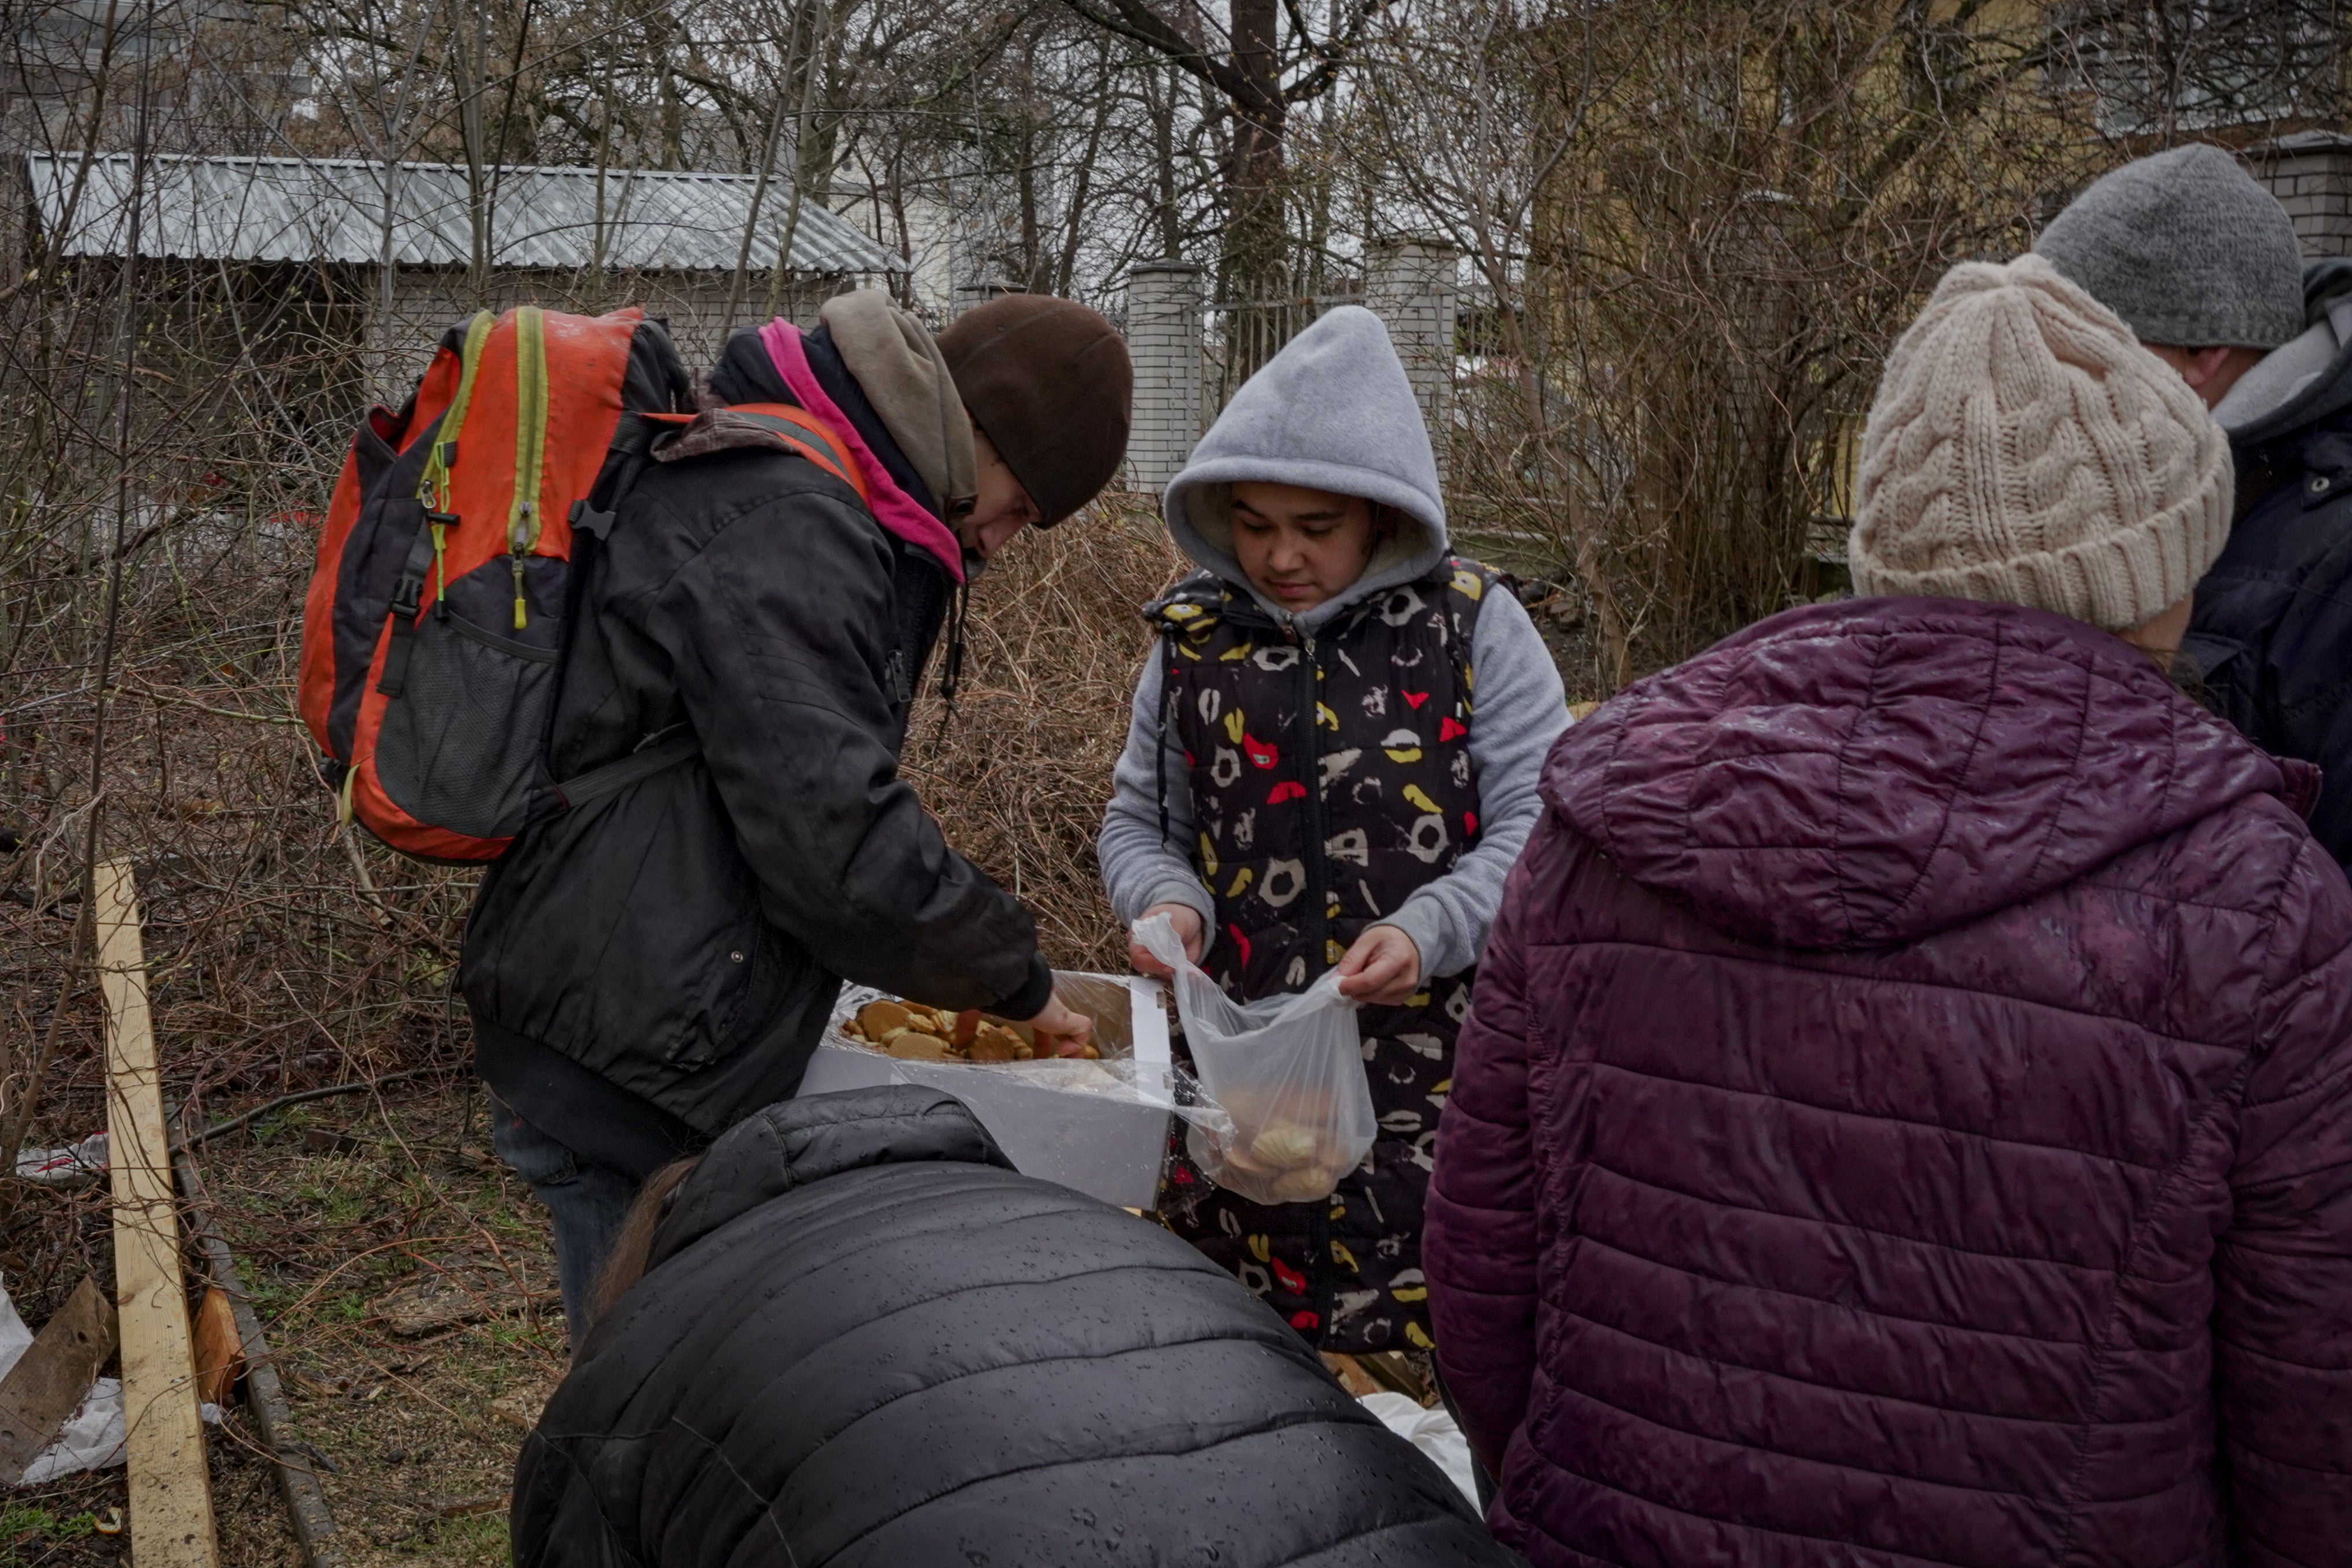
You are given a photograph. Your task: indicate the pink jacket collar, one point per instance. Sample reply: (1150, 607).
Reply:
(894, 509)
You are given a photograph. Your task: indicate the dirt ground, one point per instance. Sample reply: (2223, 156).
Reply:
(64, 1525)
(407, 1291)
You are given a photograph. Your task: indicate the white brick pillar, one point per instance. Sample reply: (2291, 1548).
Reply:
(1163, 341)
(1409, 284)
(2311, 174)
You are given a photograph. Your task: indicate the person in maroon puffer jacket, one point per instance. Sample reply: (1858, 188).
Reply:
(1905, 1115)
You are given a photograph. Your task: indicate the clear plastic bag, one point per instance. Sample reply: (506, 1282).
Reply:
(1288, 1072)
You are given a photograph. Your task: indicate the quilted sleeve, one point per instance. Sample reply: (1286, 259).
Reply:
(1479, 1244)
(2282, 1314)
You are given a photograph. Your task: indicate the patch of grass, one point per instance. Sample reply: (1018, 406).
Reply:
(17, 1518)
(482, 1529)
(509, 1333)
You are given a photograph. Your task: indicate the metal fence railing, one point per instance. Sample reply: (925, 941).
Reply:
(1241, 334)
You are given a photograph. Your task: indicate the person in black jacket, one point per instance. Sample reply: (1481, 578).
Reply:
(2272, 636)
(650, 966)
(2204, 265)
(862, 1341)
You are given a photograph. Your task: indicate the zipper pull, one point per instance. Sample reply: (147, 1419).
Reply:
(517, 547)
(441, 522)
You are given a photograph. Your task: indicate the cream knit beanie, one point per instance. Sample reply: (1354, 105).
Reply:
(2023, 446)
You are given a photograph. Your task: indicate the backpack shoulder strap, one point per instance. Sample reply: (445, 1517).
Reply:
(790, 424)
(780, 424)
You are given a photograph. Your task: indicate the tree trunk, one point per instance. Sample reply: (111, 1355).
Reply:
(1255, 235)
(1163, 152)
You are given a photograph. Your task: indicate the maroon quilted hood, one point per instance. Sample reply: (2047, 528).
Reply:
(1906, 1118)
(1855, 775)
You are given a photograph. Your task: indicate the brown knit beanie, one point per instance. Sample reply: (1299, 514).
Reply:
(1048, 382)
(2023, 446)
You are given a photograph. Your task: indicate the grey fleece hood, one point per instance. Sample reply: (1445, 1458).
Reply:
(2305, 380)
(1333, 411)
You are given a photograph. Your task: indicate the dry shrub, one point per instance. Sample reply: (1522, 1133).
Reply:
(286, 954)
(1020, 776)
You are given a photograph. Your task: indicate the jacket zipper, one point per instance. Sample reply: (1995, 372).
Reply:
(1319, 923)
(1322, 1277)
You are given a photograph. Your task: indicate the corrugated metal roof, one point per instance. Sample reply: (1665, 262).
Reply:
(332, 209)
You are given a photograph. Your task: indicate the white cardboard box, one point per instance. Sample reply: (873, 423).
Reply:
(1107, 1146)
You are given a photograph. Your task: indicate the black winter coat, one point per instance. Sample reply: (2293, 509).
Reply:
(650, 967)
(866, 1343)
(2270, 635)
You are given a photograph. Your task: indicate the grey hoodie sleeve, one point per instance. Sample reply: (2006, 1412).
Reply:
(1139, 868)
(1520, 710)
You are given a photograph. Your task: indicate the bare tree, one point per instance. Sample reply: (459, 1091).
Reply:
(1261, 74)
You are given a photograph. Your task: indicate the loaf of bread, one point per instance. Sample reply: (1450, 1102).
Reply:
(913, 1032)
(913, 1046)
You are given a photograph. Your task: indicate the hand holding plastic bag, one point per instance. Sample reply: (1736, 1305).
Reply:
(1288, 1072)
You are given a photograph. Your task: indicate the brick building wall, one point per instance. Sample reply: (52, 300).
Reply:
(2311, 174)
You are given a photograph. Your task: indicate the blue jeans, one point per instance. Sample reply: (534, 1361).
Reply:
(586, 1202)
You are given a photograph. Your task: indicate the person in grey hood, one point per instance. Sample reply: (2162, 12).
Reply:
(2204, 266)
(1333, 761)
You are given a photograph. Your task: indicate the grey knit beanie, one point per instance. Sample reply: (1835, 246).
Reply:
(2023, 447)
(2186, 247)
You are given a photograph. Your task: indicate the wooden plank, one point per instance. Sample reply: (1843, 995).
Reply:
(298, 1481)
(49, 1381)
(170, 1488)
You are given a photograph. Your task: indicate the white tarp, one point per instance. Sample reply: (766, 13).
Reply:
(91, 1439)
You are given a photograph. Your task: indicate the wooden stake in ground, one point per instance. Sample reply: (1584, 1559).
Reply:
(171, 1490)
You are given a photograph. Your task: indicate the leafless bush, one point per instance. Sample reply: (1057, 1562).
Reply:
(1693, 228)
(1020, 775)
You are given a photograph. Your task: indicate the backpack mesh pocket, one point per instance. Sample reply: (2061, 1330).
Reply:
(463, 745)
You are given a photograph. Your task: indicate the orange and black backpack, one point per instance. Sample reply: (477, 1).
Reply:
(433, 631)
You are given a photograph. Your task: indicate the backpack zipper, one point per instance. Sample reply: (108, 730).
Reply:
(433, 484)
(530, 443)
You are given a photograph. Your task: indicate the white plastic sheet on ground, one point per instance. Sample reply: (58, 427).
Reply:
(1432, 1431)
(70, 1164)
(91, 1439)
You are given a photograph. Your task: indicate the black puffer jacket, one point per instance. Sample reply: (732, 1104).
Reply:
(649, 967)
(2272, 630)
(865, 1342)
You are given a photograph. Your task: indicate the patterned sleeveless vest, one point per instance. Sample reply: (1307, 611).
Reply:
(1331, 777)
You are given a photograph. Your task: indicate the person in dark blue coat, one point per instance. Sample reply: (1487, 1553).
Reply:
(861, 1339)
(2272, 636)
(2205, 267)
